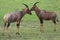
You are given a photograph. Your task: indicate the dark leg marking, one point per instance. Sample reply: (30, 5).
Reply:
(41, 25)
(8, 32)
(4, 25)
(4, 28)
(54, 21)
(18, 23)
(8, 24)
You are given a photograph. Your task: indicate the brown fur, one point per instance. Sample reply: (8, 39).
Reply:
(15, 17)
(44, 15)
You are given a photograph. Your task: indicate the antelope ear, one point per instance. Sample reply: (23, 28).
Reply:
(31, 10)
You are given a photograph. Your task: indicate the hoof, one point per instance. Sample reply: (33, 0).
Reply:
(18, 33)
(41, 30)
(54, 30)
(9, 35)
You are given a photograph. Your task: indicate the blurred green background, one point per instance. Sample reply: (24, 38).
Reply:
(30, 26)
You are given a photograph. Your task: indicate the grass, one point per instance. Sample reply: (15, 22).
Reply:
(29, 28)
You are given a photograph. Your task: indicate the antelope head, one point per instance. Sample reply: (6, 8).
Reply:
(34, 6)
(26, 10)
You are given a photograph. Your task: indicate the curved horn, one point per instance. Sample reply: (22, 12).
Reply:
(25, 5)
(36, 3)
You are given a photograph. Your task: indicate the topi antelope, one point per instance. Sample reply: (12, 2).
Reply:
(44, 15)
(15, 17)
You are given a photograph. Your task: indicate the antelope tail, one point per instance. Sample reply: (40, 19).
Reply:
(57, 20)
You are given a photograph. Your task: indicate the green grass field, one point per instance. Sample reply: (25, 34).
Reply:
(30, 26)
